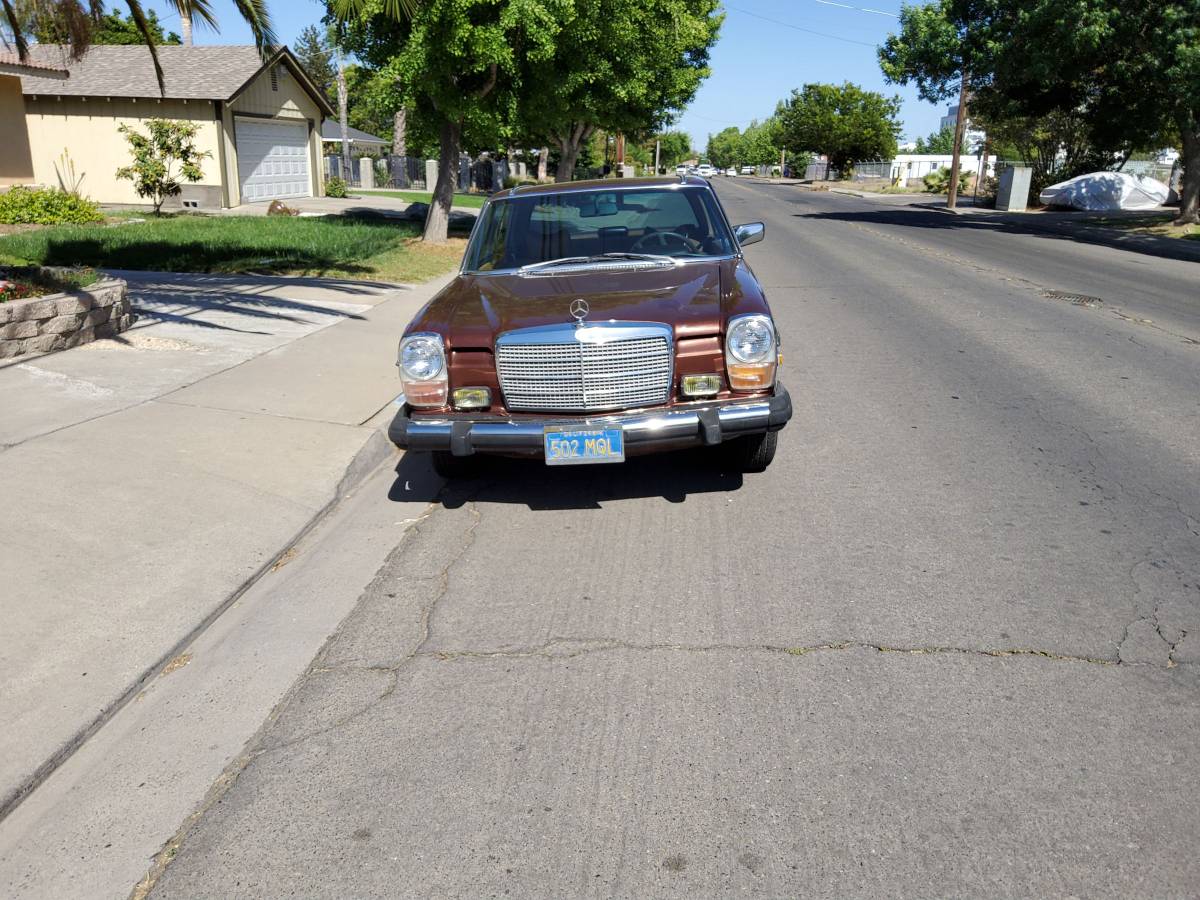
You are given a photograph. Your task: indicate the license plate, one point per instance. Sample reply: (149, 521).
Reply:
(573, 447)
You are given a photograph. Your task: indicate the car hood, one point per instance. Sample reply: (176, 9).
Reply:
(474, 309)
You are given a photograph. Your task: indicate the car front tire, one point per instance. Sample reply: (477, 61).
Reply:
(751, 454)
(451, 467)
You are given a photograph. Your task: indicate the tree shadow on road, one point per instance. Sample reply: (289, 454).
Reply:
(671, 476)
(1067, 229)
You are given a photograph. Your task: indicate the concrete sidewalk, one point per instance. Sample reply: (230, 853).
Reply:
(149, 479)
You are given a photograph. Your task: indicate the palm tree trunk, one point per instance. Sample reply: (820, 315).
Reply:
(343, 121)
(185, 27)
(400, 132)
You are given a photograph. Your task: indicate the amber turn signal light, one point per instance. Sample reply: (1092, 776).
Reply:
(472, 398)
(700, 385)
(751, 376)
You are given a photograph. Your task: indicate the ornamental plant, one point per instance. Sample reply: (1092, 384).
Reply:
(161, 159)
(22, 205)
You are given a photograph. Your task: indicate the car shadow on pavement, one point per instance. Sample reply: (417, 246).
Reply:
(671, 476)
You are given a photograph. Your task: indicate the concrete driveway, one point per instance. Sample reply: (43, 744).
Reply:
(334, 206)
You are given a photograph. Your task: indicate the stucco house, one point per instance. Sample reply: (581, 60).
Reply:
(259, 121)
(16, 162)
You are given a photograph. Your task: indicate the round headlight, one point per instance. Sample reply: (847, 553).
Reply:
(421, 358)
(752, 339)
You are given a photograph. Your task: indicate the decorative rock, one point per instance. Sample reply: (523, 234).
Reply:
(82, 336)
(46, 324)
(33, 309)
(15, 330)
(76, 303)
(62, 324)
(44, 343)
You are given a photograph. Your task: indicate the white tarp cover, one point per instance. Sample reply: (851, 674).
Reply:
(1107, 190)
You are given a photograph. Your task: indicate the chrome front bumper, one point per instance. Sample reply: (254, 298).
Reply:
(645, 432)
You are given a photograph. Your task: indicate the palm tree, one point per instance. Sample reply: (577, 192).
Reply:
(80, 17)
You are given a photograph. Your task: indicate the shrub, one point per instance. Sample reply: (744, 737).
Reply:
(46, 206)
(938, 181)
(335, 187)
(156, 155)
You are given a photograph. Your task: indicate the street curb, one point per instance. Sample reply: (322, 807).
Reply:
(374, 452)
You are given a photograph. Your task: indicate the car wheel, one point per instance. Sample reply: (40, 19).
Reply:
(453, 467)
(752, 454)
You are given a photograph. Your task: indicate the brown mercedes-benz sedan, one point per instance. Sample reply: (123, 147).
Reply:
(593, 321)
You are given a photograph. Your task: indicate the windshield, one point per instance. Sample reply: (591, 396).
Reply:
(681, 223)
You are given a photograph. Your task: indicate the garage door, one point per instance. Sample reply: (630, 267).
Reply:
(272, 159)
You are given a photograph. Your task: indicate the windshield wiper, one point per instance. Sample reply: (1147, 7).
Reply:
(655, 258)
(659, 258)
(549, 263)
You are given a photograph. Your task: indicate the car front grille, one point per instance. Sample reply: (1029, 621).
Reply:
(575, 375)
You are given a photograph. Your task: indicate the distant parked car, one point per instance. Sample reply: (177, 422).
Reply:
(681, 170)
(731, 172)
(704, 170)
(747, 170)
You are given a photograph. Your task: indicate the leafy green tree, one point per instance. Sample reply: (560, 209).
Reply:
(844, 122)
(316, 56)
(941, 143)
(762, 142)
(163, 156)
(1130, 69)
(674, 147)
(456, 64)
(110, 28)
(931, 50)
(82, 22)
(617, 65)
(725, 148)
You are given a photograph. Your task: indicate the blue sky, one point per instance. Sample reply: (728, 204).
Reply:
(755, 63)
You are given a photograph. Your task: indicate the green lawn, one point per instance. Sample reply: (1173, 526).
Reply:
(473, 200)
(336, 246)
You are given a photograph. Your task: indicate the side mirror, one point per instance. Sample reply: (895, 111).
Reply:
(750, 233)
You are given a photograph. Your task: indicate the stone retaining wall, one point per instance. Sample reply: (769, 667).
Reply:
(58, 321)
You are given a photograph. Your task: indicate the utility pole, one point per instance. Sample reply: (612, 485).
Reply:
(960, 123)
(657, 148)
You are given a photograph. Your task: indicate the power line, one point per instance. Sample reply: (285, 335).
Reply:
(832, 37)
(863, 9)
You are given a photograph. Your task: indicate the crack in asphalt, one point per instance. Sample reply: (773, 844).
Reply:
(569, 648)
(424, 624)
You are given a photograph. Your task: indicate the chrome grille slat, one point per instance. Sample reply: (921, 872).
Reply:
(582, 374)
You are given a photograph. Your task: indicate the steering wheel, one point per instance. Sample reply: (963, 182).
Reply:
(664, 241)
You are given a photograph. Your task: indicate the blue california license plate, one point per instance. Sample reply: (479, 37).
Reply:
(572, 447)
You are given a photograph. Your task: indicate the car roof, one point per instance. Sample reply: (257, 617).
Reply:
(598, 184)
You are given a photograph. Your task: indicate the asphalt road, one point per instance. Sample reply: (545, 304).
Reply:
(948, 645)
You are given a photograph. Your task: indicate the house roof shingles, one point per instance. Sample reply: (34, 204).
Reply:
(11, 64)
(332, 131)
(114, 70)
